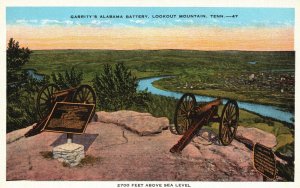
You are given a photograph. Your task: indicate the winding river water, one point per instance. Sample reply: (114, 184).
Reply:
(265, 110)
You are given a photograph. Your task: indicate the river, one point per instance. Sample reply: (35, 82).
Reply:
(264, 110)
(32, 73)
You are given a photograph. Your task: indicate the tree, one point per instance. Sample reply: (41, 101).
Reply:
(16, 57)
(72, 78)
(21, 88)
(117, 89)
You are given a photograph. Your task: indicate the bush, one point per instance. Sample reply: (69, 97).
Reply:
(287, 153)
(116, 89)
(72, 78)
(21, 108)
(160, 106)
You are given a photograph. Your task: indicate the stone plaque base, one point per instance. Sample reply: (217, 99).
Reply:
(69, 153)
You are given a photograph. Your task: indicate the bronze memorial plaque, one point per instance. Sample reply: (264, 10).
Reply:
(69, 117)
(264, 160)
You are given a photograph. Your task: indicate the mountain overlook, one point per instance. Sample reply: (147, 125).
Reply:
(128, 145)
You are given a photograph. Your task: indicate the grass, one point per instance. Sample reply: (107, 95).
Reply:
(89, 160)
(86, 161)
(160, 106)
(47, 154)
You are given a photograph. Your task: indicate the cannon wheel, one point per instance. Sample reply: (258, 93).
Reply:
(86, 95)
(45, 101)
(229, 122)
(185, 106)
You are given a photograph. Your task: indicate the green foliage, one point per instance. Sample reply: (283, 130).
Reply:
(16, 57)
(286, 171)
(21, 88)
(116, 89)
(72, 78)
(21, 111)
(160, 106)
(264, 120)
(287, 153)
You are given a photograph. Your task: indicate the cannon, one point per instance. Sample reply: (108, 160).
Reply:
(51, 94)
(190, 117)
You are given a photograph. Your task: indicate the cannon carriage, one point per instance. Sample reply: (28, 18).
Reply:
(190, 117)
(51, 94)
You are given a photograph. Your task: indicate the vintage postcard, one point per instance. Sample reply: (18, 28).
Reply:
(182, 95)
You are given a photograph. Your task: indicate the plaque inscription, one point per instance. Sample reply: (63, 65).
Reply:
(264, 160)
(69, 117)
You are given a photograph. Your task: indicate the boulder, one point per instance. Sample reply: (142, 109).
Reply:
(257, 136)
(16, 135)
(141, 123)
(234, 159)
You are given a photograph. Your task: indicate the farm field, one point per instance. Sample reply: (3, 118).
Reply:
(260, 77)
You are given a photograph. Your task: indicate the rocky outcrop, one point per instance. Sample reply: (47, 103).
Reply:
(257, 136)
(16, 135)
(123, 154)
(141, 123)
(234, 160)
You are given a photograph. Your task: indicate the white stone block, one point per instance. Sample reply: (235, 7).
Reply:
(69, 153)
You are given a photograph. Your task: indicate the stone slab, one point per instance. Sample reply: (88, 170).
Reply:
(69, 153)
(143, 124)
(257, 136)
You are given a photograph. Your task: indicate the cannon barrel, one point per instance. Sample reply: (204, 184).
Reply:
(208, 106)
(207, 111)
(190, 117)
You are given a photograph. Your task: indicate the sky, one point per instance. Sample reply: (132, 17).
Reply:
(251, 29)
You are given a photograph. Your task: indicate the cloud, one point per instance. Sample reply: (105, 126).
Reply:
(68, 22)
(44, 22)
(159, 22)
(271, 23)
(100, 22)
(184, 21)
(57, 22)
(23, 21)
(138, 21)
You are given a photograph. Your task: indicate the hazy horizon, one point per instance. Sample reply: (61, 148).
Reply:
(243, 29)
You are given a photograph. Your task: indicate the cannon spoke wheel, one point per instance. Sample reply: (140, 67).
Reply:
(184, 108)
(86, 95)
(45, 100)
(229, 122)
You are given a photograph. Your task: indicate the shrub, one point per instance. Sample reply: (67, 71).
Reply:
(72, 78)
(160, 106)
(116, 89)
